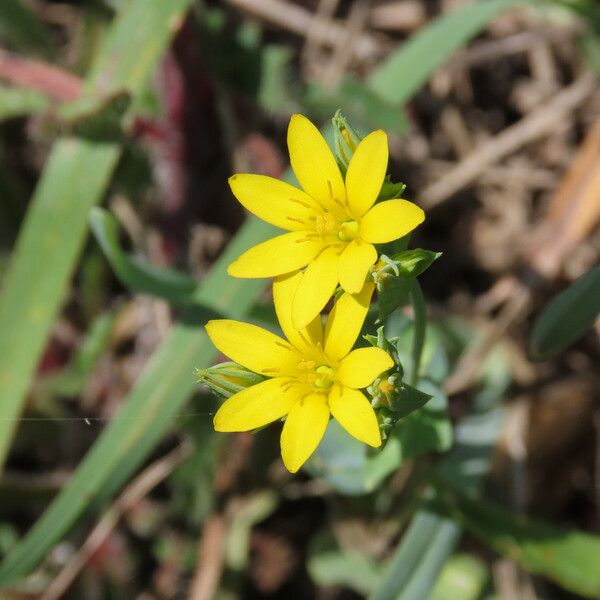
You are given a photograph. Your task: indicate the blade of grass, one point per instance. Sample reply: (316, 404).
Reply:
(75, 178)
(407, 69)
(148, 412)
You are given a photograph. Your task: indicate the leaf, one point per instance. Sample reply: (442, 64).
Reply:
(137, 275)
(413, 569)
(20, 102)
(412, 263)
(392, 292)
(566, 317)
(147, 412)
(20, 27)
(407, 69)
(328, 565)
(75, 178)
(463, 577)
(411, 399)
(569, 558)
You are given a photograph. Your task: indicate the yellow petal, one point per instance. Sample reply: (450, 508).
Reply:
(316, 287)
(355, 414)
(356, 260)
(284, 291)
(282, 254)
(360, 368)
(274, 201)
(258, 405)
(303, 430)
(390, 220)
(314, 165)
(345, 322)
(366, 172)
(257, 349)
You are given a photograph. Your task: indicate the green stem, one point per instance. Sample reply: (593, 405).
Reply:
(418, 302)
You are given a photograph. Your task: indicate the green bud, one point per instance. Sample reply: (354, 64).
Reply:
(346, 139)
(228, 378)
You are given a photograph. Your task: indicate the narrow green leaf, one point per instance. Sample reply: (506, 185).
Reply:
(20, 27)
(137, 275)
(425, 547)
(148, 411)
(407, 69)
(75, 178)
(566, 317)
(42, 264)
(20, 102)
(568, 557)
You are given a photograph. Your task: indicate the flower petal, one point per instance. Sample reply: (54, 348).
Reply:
(356, 260)
(253, 347)
(345, 322)
(366, 172)
(314, 164)
(355, 414)
(274, 201)
(316, 287)
(284, 291)
(390, 220)
(282, 254)
(258, 405)
(360, 368)
(303, 430)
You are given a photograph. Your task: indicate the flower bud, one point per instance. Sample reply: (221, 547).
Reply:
(346, 139)
(228, 378)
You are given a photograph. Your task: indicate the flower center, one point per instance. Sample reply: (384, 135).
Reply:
(347, 231)
(324, 378)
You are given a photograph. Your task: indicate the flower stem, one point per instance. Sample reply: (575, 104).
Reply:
(420, 324)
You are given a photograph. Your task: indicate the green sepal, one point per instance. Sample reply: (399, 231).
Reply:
(393, 277)
(227, 379)
(390, 190)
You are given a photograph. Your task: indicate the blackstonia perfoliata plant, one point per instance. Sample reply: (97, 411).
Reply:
(347, 207)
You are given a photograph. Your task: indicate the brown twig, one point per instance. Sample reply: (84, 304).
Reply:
(133, 493)
(37, 75)
(532, 127)
(299, 20)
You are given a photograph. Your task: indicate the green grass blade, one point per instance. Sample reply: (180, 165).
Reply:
(137, 275)
(43, 261)
(20, 102)
(148, 412)
(568, 557)
(20, 27)
(55, 227)
(566, 317)
(407, 69)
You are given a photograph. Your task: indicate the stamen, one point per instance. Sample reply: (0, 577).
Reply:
(282, 345)
(296, 220)
(268, 371)
(301, 202)
(330, 186)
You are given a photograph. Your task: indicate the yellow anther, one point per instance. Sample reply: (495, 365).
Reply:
(306, 365)
(348, 231)
(324, 223)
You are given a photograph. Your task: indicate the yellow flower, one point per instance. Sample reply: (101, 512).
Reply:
(332, 224)
(314, 374)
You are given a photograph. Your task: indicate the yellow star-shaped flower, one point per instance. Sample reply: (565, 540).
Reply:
(311, 375)
(333, 224)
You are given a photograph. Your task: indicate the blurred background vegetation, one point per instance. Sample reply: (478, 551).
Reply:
(120, 121)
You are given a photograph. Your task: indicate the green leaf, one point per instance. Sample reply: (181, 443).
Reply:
(148, 411)
(20, 102)
(566, 317)
(74, 179)
(20, 27)
(407, 69)
(392, 292)
(463, 577)
(328, 565)
(42, 264)
(412, 263)
(137, 275)
(413, 569)
(410, 399)
(569, 558)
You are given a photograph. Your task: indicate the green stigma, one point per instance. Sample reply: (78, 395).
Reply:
(325, 377)
(348, 231)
